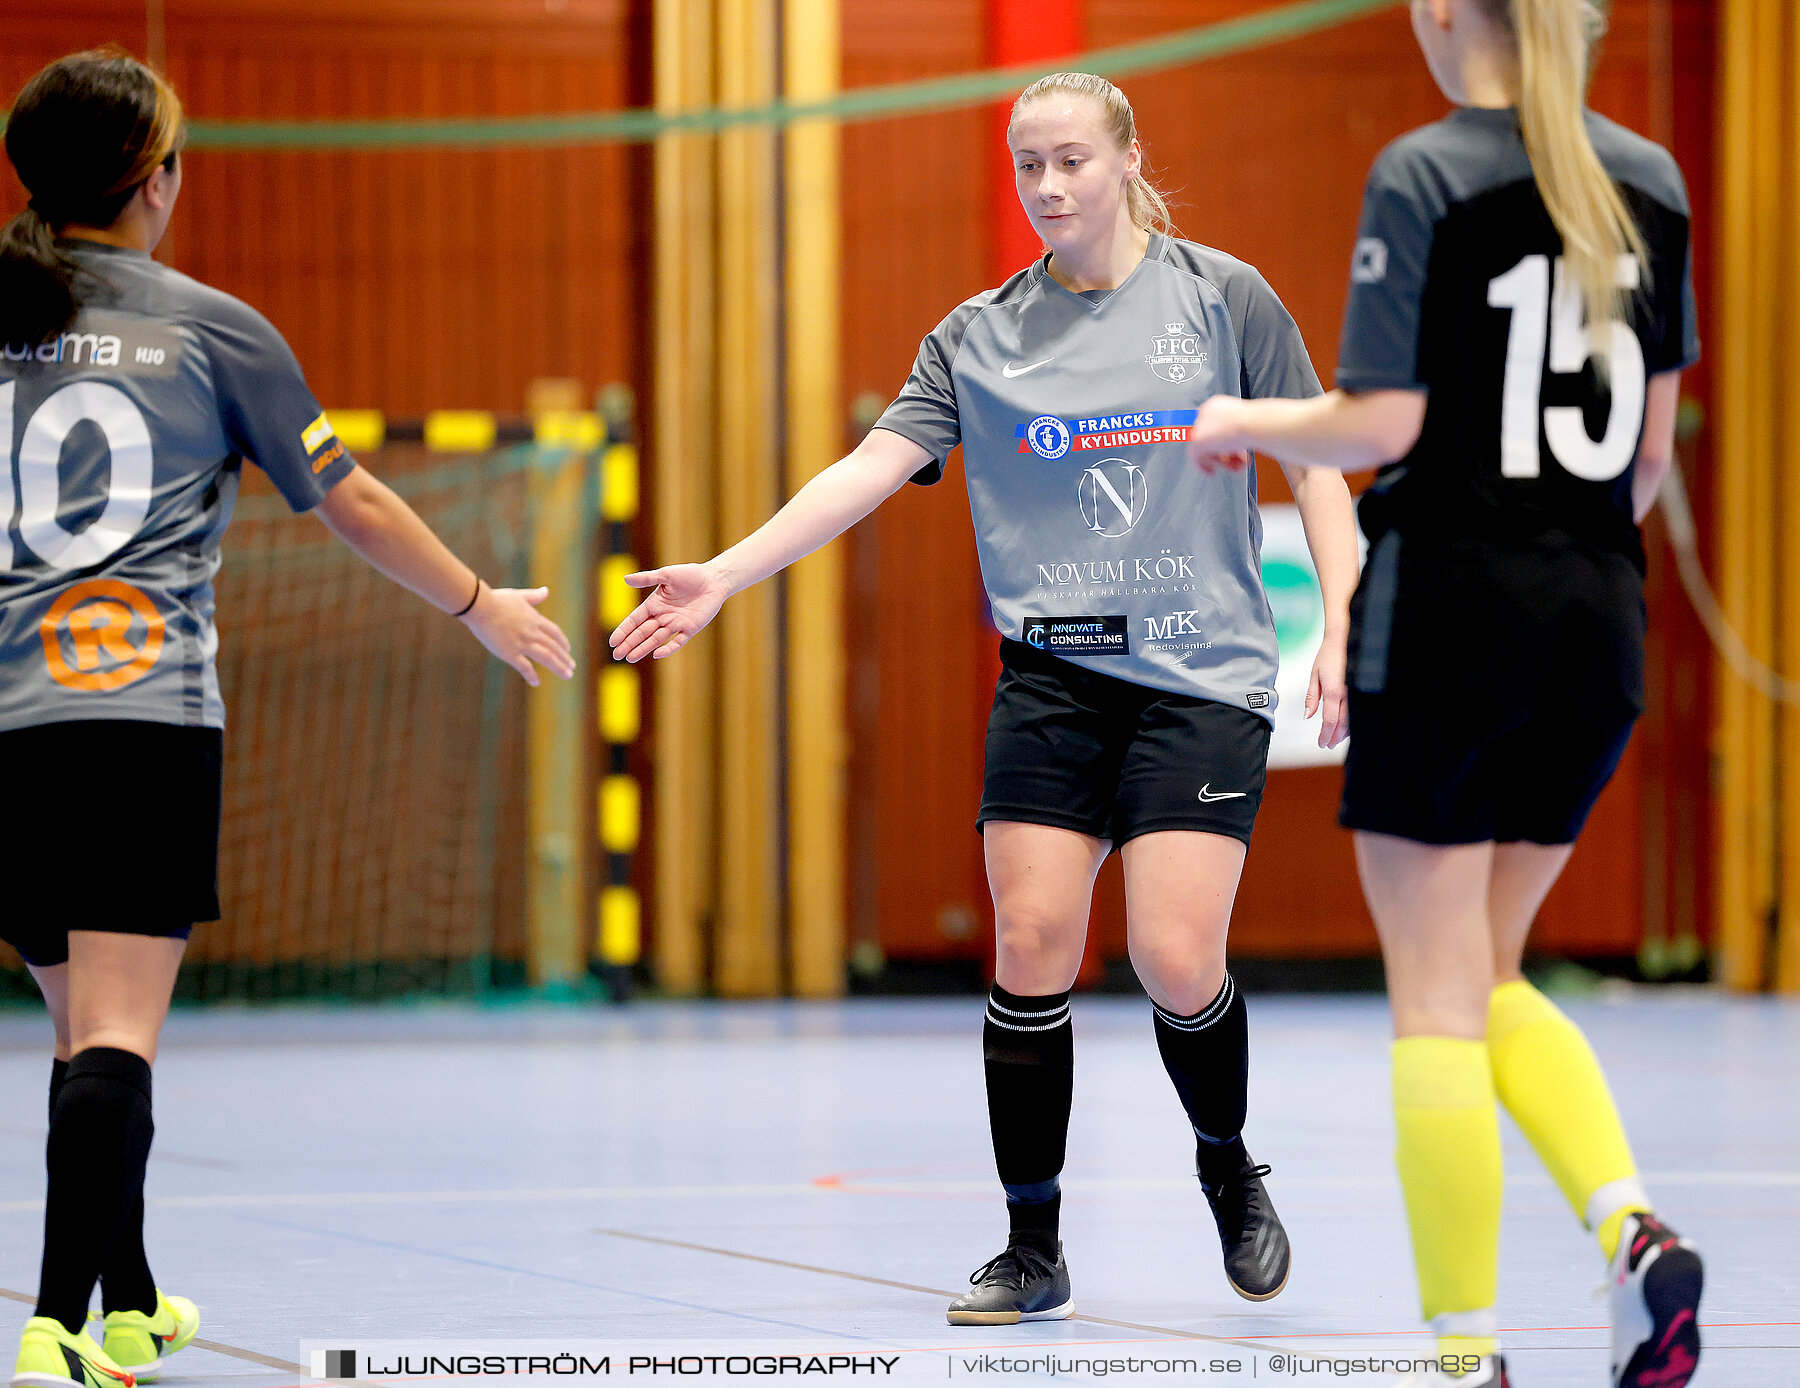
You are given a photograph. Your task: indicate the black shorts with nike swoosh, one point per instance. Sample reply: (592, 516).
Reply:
(1078, 749)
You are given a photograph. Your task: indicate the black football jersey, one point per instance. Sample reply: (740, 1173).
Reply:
(1458, 289)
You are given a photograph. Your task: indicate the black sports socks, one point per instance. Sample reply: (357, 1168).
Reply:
(125, 1280)
(1028, 1050)
(100, 1131)
(59, 1071)
(1207, 1056)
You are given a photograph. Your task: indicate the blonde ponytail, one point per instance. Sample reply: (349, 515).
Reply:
(1145, 202)
(1554, 40)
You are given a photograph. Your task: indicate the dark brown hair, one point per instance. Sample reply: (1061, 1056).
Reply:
(83, 136)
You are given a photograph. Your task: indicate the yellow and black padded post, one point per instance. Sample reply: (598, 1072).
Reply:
(618, 945)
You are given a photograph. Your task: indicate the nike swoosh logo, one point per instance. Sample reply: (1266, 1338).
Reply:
(1208, 794)
(1009, 371)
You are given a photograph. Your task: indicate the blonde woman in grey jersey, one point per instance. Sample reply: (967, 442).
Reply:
(1139, 652)
(130, 398)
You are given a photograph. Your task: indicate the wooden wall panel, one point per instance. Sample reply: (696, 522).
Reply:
(1264, 154)
(405, 280)
(915, 246)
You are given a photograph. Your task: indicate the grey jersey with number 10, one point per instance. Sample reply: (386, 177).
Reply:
(1099, 541)
(122, 441)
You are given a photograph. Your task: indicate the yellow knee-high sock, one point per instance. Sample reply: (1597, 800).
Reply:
(1448, 1152)
(1551, 1083)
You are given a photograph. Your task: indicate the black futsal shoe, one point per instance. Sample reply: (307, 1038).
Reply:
(1022, 1284)
(1250, 1233)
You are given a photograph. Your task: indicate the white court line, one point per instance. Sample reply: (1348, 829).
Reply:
(1119, 1185)
(446, 1197)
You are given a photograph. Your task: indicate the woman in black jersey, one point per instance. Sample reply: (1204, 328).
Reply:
(132, 396)
(1138, 650)
(1520, 312)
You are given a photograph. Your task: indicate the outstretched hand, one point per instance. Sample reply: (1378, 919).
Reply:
(683, 599)
(508, 623)
(1217, 439)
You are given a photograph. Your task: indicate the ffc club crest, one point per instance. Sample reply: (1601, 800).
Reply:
(1175, 353)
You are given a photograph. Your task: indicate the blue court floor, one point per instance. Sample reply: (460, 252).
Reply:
(731, 1179)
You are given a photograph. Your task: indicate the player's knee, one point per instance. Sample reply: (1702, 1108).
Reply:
(1036, 936)
(1181, 975)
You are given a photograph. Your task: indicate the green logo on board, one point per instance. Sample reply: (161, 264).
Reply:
(1298, 605)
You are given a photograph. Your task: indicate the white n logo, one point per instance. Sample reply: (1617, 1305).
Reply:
(1105, 509)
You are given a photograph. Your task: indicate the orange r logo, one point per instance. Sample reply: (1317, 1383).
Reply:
(113, 630)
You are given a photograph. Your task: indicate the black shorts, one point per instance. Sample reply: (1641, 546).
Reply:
(1492, 690)
(1070, 747)
(114, 826)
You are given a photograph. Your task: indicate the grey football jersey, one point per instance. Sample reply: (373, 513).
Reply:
(1099, 542)
(123, 443)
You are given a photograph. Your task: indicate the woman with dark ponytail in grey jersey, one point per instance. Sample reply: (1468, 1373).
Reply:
(1138, 651)
(133, 396)
(1521, 309)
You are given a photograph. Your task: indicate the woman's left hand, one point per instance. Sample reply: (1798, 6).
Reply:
(1327, 694)
(1218, 439)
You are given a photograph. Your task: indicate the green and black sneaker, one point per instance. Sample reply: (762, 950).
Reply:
(50, 1357)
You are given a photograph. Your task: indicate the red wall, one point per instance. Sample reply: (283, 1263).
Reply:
(411, 280)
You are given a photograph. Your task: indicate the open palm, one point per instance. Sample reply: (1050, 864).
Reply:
(683, 599)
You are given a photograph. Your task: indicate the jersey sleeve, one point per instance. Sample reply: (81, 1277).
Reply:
(1689, 337)
(268, 412)
(1380, 346)
(1679, 344)
(925, 410)
(1275, 360)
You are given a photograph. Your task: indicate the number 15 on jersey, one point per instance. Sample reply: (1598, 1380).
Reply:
(1542, 318)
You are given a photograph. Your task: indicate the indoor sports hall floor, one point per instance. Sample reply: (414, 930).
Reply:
(736, 1176)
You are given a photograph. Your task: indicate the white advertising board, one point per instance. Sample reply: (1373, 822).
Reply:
(1294, 597)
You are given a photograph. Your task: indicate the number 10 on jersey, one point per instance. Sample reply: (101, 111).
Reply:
(40, 481)
(1540, 319)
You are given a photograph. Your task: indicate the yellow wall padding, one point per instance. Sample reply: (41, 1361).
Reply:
(619, 483)
(621, 703)
(621, 926)
(361, 431)
(460, 431)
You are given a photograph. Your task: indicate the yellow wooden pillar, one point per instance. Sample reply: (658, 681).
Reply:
(1758, 356)
(1745, 828)
(815, 435)
(685, 791)
(748, 936)
(1785, 460)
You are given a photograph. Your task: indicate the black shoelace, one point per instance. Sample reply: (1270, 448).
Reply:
(1019, 1264)
(1231, 1200)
